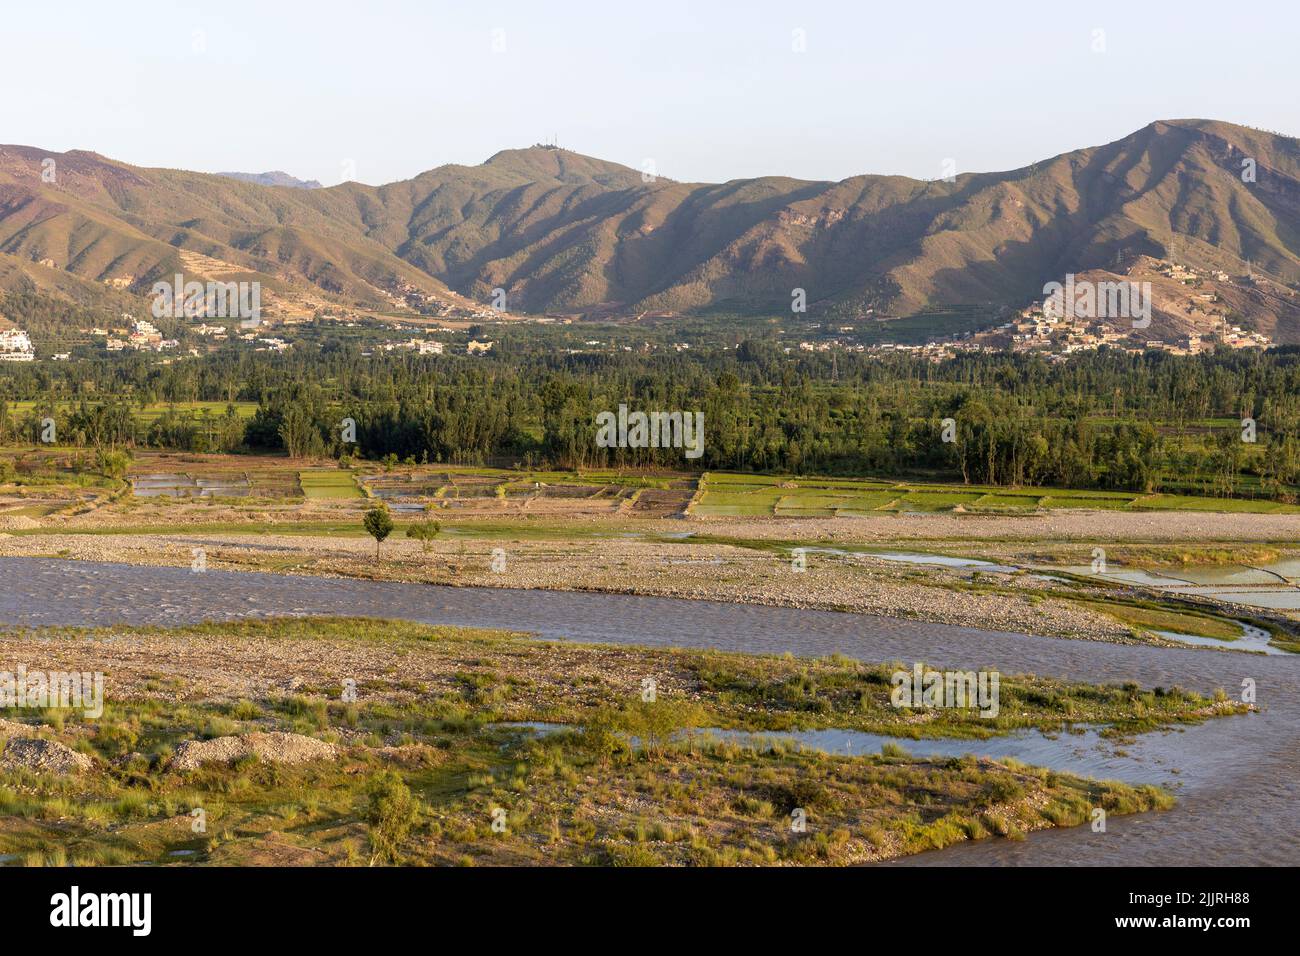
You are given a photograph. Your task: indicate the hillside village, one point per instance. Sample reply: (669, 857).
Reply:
(1192, 314)
(1189, 312)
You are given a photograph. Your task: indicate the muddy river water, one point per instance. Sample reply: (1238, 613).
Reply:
(1237, 778)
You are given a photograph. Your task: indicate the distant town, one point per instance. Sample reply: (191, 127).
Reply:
(141, 335)
(1195, 319)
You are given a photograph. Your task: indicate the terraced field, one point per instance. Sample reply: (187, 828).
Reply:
(171, 485)
(178, 474)
(478, 489)
(730, 495)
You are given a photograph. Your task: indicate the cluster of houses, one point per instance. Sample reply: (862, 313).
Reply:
(431, 347)
(409, 296)
(1035, 330)
(1235, 338)
(418, 346)
(260, 343)
(141, 336)
(934, 351)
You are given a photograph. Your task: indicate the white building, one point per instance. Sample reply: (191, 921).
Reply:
(16, 346)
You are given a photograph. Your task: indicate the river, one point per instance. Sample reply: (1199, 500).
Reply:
(1239, 798)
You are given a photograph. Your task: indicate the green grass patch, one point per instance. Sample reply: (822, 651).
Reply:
(1150, 618)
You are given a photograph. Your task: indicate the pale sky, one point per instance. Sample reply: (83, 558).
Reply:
(709, 91)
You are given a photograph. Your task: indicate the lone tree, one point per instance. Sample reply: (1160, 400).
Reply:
(424, 532)
(379, 523)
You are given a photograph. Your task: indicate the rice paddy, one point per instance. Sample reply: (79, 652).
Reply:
(730, 495)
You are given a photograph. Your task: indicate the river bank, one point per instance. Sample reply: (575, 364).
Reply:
(348, 713)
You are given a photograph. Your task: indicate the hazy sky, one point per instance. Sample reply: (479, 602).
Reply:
(708, 90)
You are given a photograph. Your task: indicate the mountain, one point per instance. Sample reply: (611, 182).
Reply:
(274, 178)
(104, 222)
(562, 232)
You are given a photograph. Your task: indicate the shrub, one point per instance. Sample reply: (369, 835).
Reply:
(390, 814)
(424, 532)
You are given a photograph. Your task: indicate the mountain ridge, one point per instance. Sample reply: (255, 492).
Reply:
(562, 232)
(275, 177)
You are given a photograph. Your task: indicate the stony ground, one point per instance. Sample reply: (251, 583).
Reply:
(644, 556)
(718, 572)
(1062, 525)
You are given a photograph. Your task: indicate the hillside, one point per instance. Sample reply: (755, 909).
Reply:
(562, 232)
(127, 227)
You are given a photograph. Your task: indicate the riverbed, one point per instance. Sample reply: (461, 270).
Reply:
(1237, 778)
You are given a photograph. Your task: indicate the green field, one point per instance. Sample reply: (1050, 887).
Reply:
(727, 495)
(328, 483)
(935, 500)
(148, 413)
(1198, 503)
(1070, 500)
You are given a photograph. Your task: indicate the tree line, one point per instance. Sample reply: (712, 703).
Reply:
(1107, 419)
